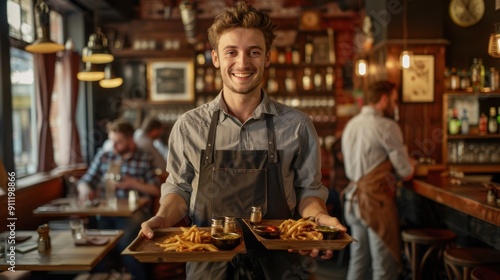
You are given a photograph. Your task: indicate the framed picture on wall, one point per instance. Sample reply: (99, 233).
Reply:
(171, 81)
(418, 80)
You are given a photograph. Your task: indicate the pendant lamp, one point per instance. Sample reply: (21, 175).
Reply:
(43, 44)
(188, 16)
(361, 68)
(91, 73)
(494, 43)
(110, 80)
(97, 51)
(406, 57)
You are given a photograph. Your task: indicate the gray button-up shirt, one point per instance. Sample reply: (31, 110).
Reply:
(295, 135)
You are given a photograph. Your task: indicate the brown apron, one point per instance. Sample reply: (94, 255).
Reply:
(231, 182)
(375, 195)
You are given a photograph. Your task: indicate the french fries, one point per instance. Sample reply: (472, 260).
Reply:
(191, 239)
(302, 229)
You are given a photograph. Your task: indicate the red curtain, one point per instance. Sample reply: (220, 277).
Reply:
(44, 83)
(70, 139)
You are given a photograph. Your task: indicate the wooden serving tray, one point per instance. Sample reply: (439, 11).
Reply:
(280, 244)
(146, 251)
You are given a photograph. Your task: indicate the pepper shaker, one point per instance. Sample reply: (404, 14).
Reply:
(256, 215)
(229, 225)
(43, 239)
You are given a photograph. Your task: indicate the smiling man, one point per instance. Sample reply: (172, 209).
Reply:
(241, 150)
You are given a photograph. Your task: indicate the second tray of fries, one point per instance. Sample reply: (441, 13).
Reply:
(180, 245)
(285, 244)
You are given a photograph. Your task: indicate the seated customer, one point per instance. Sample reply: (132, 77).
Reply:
(147, 138)
(137, 173)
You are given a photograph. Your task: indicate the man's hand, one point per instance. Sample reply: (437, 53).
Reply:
(85, 192)
(127, 183)
(148, 226)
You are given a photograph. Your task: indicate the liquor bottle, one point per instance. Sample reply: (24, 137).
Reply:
(290, 85)
(295, 55)
(209, 79)
(288, 55)
(498, 117)
(208, 53)
(447, 79)
(464, 123)
(464, 80)
(218, 80)
(492, 121)
(274, 55)
(308, 50)
(200, 54)
(199, 83)
(318, 81)
(494, 79)
(454, 79)
(454, 123)
(306, 79)
(272, 84)
(329, 78)
(481, 73)
(475, 76)
(483, 123)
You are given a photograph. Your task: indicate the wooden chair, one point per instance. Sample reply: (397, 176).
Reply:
(459, 262)
(434, 241)
(486, 272)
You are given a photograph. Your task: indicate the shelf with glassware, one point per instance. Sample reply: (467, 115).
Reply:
(471, 131)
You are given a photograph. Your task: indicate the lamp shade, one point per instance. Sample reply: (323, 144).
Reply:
(43, 44)
(97, 51)
(110, 80)
(494, 42)
(91, 73)
(188, 16)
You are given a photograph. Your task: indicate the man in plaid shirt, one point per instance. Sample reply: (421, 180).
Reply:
(135, 172)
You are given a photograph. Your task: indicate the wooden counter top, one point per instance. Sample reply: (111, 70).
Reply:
(468, 198)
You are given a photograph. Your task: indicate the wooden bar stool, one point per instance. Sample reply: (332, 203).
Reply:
(459, 262)
(433, 240)
(486, 272)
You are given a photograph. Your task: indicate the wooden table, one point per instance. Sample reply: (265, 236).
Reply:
(64, 207)
(64, 254)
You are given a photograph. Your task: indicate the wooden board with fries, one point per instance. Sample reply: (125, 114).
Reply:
(180, 244)
(294, 239)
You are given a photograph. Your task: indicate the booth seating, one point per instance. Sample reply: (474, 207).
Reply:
(459, 262)
(486, 272)
(432, 242)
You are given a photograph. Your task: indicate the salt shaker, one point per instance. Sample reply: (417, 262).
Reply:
(216, 227)
(229, 225)
(43, 239)
(256, 215)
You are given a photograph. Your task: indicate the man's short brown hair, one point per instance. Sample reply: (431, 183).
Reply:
(121, 126)
(244, 16)
(151, 123)
(378, 89)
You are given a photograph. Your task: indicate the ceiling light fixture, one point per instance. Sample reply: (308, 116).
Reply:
(188, 16)
(110, 80)
(43, 43)
(97, 50)
(91, 73)
(361, 68)
(406, 57)
(494, 43)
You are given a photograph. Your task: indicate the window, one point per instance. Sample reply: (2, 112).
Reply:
(23, 111)
(56, 34)
(20, 18)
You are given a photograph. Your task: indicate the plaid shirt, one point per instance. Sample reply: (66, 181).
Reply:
(139, 166)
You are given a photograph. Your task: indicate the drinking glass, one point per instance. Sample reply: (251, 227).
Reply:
(77, 228)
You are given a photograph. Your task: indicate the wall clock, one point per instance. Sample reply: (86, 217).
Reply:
(466, 13)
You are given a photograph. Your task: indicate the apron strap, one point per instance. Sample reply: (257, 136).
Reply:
(272, 151)
(209, 155)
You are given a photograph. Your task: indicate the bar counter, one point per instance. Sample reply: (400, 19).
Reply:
(436, 201)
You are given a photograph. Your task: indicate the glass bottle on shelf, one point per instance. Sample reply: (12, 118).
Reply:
(208, 53)
(475, 75)
(318, 80)
(308, 50)
(481, 72)
(329, 78)
(454, 123)
(464, 80)
(218, 80)
(288, 55)
(200, 54)
(274, 54)
(447, 78)
(483, 123)
(454, 79)
(209, 79)
(199, 83)
(306, 79)
(272, 84)
(295, 55)
(492, 121)
(494, 79)
(290, 85)
(464, 123)
(498, 117)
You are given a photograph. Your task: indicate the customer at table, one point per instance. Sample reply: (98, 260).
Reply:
(375, 157)
(241, 150)
(148, 139)
(137, 172)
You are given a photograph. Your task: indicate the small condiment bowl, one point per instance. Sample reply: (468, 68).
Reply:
(329, 232)
(226, 241)
(267, 231)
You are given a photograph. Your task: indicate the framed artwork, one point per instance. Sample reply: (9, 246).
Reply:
(418, 80)
(171, 81)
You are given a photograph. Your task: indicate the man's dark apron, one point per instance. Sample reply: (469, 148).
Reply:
(231, 182)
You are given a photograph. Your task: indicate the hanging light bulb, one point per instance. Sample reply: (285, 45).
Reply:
(91, 73)
(110, 80)
(188, 16)
(494, 42)
(361, 68)
(97, 51)
(43, 44)
(405, 59)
